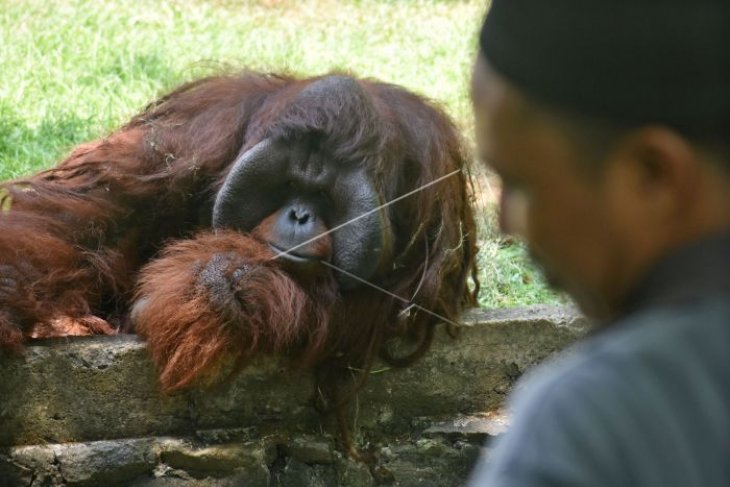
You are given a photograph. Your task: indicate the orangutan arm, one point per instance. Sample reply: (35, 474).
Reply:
(215, 300)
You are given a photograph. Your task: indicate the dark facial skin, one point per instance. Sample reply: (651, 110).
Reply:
(596, 232)
(309, 199)
(290, 194)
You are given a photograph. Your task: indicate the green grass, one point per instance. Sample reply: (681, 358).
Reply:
(508, 277)
(71, 70)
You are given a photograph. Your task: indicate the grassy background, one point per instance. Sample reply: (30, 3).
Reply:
(71, 70)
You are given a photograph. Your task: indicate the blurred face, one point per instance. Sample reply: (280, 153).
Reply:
(573, 219)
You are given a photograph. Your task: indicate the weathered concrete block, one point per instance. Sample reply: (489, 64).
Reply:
(311, 449)
(432, 462)
(297, 473)
(87, 411)
(82, 389)
(139, 461)
(476, 429)
(98, 388)
(105, 387)
(29, 465)
(104, 462)
(220, 460)
(472, 373)
(353, 474)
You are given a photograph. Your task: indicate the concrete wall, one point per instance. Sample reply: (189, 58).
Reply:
(86, 411)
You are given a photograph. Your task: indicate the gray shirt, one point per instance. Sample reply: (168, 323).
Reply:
(644, 402)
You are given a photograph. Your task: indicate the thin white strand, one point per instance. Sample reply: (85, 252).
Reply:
(367, 213)
(423, 274)
(393, 295)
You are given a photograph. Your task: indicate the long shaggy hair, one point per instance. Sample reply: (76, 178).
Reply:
(130, 215)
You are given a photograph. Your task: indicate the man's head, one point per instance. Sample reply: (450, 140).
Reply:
(600, 190)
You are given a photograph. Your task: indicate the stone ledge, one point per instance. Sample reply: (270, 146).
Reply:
(268, 461)
(103, 388)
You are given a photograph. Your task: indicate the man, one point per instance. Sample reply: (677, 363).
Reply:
(609, 124)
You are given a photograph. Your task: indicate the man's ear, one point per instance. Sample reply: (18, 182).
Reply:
(661, 171)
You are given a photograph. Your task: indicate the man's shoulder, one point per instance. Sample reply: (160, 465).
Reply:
(664, 347)
(663, 328)
(646, 402)
(645, 341)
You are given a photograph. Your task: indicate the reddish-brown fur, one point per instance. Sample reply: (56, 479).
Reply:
(74, 240)
(191, 330)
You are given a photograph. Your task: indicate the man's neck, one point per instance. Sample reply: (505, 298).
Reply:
(691, 272)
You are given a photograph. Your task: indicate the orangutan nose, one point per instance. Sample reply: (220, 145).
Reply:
(299, 216)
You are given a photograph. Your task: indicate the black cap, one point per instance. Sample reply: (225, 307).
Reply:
(635, 61)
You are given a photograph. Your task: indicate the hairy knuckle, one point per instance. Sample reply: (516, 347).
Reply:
(220, 278)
